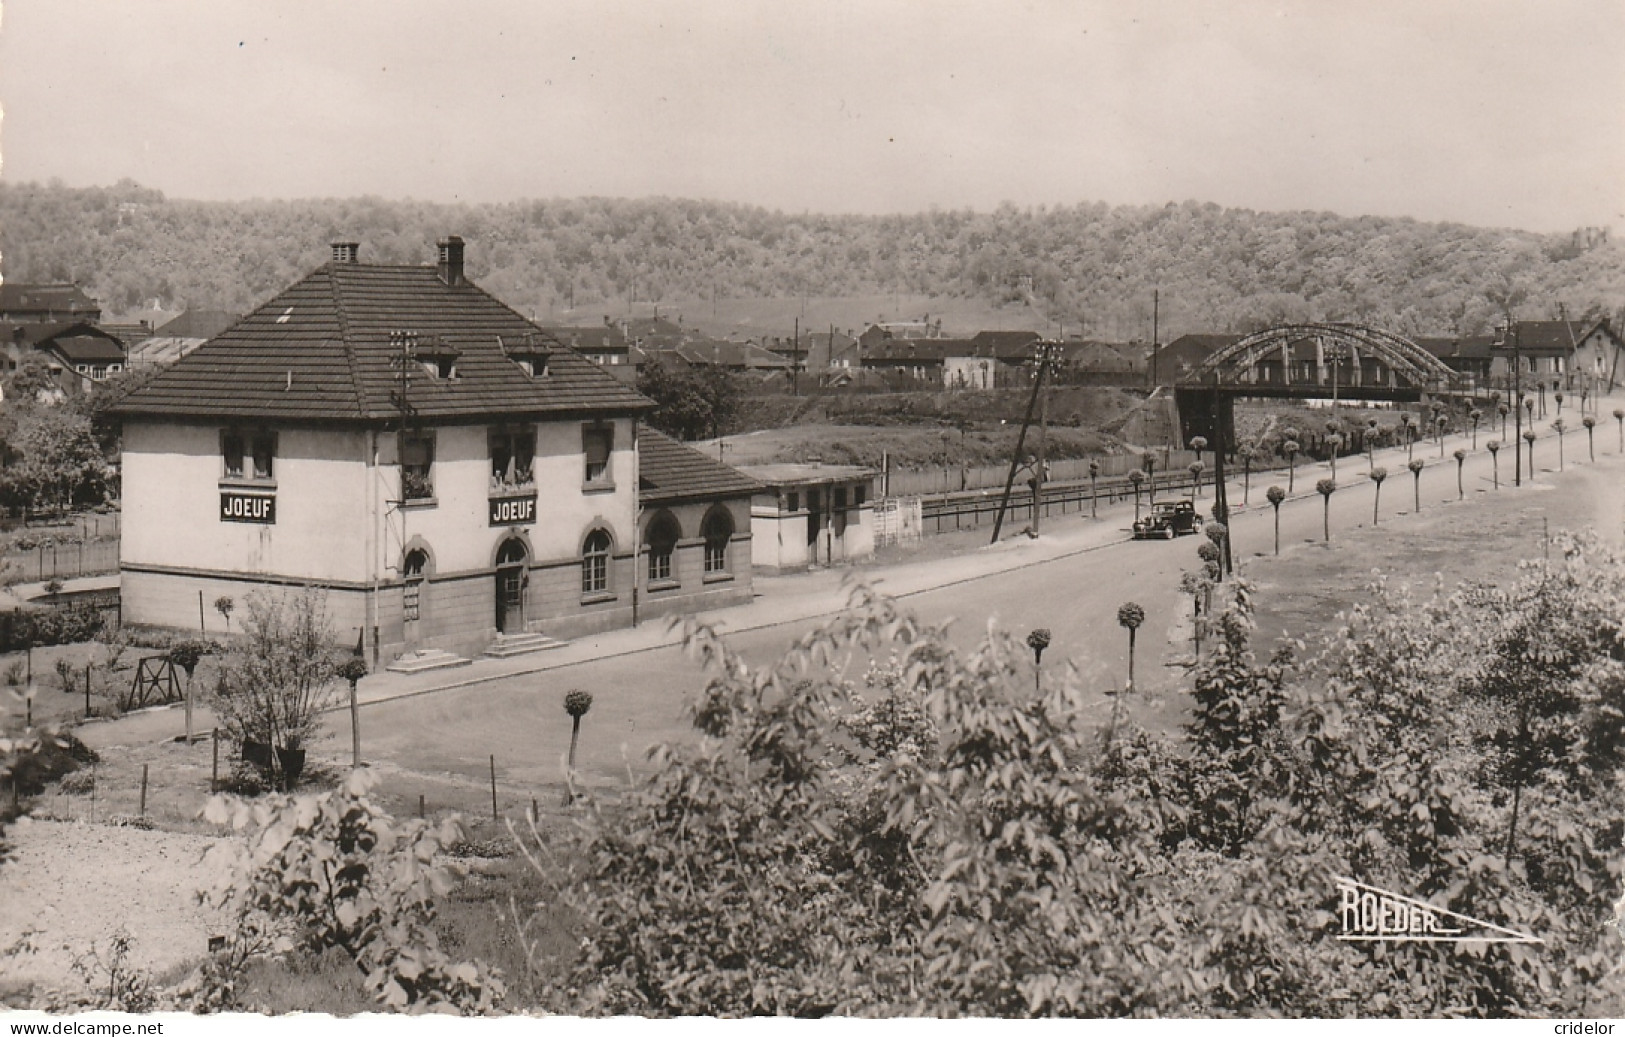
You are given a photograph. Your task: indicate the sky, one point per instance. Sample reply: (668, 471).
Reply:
(1488, 112)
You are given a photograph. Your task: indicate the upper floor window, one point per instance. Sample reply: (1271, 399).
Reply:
(513, 453)
(248, 455)
(417, 462)
(597, 442)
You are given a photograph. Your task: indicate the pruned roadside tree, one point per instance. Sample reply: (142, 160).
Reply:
(1275, 495)
(1326, 487)
(278, 679)
(1376, 475)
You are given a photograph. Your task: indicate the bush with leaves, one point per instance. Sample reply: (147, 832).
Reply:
(336, 871)
(975, 867)
(278, 678)
(1004, 858)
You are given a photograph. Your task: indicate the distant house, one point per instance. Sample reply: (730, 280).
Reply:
(130, 333)
(738, 357)
(79, 354)
(1103, 357)
(815, 351)
(175, 338)
(47, 304)
(916, 359)
(1469, 355)
(604, 344)
(1546, 349)
(1176, 360)
(657, 331)
(1006, 345)
(884, 331)
(969, 372)
(1597, 357)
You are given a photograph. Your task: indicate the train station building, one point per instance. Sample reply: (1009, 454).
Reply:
(456, 479)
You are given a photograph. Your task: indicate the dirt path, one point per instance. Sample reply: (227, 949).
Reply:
(76, 884)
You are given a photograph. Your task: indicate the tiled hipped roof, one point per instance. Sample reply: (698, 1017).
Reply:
(668, 471)
(324, 351)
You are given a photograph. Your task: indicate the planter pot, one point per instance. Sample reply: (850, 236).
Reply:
(293, 765)
(258, 754)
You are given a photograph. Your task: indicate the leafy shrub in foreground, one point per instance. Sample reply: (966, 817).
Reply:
(820, 853)
(335, 871)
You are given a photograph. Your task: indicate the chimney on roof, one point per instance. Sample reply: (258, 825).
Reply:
(346, 251)
(451, 260)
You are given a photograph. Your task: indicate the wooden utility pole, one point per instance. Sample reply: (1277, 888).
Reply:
(1517, 403)
(1156, 300)
(1021, 441)
(1038, 468)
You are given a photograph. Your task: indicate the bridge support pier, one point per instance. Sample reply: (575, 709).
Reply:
(1205, 412)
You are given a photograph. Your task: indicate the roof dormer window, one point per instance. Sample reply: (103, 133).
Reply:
(436, 356)
(530, 351)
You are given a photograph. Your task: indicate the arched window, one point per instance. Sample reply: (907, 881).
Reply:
(663, 536)
(412, 572)
(595, 562)
(718, 530)
(512, 552)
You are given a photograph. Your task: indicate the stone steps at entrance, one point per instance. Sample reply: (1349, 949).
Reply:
(507, 645)
(427, 659)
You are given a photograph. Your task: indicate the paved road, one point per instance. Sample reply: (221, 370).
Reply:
(1070, 581)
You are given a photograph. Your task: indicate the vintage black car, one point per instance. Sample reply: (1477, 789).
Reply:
(1167, 519)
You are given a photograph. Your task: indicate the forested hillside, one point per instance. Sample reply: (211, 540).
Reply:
(1092, 266)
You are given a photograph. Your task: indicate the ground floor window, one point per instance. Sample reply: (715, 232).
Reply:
(718, 531)
(663, 536)
(412, 572)
(595, 562)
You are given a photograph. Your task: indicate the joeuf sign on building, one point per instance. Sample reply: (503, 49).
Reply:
(513, 511)
(247, 507)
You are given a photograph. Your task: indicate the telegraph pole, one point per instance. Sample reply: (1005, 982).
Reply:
(1156, 299)
(1517, 399)
(1042, 354)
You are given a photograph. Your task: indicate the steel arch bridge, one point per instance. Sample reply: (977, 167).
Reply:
(1368, 358)
(1349, 362)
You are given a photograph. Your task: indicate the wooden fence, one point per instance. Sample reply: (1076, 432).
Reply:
(1171, 466)
(63, 561)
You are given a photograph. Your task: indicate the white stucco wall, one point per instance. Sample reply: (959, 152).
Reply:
(336, 524)
(457, 526)
(171, 500)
